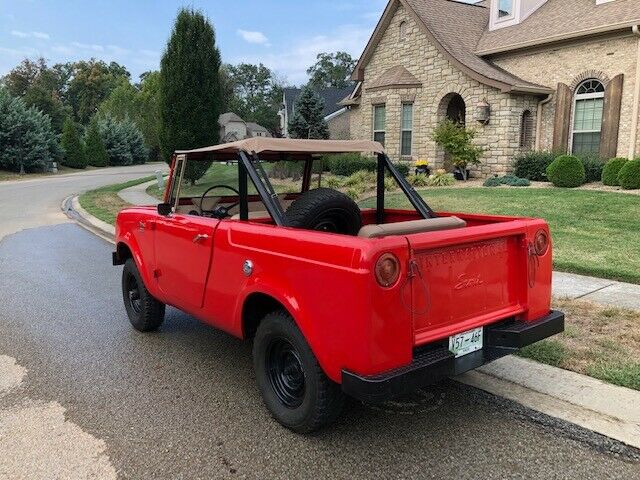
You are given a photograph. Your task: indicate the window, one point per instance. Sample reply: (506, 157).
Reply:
(587, 117)
(526, 130)
(379, 123)
(406, 136)
(403, 30)
(505, 8)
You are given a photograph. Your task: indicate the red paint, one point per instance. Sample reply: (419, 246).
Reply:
(450, 281)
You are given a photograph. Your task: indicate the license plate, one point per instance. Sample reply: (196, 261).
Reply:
(466, 342)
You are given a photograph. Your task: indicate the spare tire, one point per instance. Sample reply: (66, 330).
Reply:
(326, 210)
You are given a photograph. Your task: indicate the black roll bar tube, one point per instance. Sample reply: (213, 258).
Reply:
(416, 200)
(271, 202)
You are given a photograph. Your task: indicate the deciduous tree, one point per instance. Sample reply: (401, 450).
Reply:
(332, 70)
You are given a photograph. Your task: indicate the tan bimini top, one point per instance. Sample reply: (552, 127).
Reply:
(266, 147)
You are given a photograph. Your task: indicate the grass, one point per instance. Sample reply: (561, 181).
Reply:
(595, 233)
(6, 175)
(601, 342)
(104, 203)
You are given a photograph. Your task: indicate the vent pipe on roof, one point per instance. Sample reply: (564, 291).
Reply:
(636, 101)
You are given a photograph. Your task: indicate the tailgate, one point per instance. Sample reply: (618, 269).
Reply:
(461, 286)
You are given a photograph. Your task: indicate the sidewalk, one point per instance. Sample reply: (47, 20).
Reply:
(137, 195)
(597, 290)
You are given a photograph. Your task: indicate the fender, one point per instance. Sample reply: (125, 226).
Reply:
(131, 243)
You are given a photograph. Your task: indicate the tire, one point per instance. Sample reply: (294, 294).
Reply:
(146, 314)
(326, 210)
(300, 397)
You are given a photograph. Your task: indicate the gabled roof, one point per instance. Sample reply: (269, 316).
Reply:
(561, 20)
(455, 29)
(229, 117)
(331, 97)
(395, 77)
(255, 127)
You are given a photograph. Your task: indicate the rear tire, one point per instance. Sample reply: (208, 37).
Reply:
(294, 387)
(146, 314)
(326, 210)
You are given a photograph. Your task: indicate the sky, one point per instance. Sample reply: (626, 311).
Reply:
(285, 35)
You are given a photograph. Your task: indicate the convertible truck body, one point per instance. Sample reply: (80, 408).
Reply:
(376, 341)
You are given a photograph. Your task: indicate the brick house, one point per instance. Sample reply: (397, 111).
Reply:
(525, 74)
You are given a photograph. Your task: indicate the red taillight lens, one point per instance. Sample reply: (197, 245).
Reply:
(387, 270)
(541, 243)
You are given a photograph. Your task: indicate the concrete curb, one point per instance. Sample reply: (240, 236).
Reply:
(597, 406)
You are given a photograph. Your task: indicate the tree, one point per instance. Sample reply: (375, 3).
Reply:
(457, 141)
(91, 84)
(308, 120)
(123, 141)
(190, 100)
(256, 93)
(148, 119)
(26, 137)
(332, 70)
(72, 145)
(95, 151)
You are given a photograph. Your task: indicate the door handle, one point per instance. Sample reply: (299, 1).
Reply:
(200, 237)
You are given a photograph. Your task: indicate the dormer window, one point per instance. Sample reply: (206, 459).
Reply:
(505, 9)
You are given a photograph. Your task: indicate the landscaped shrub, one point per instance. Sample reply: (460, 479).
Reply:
(286, 169)
(72, 146)
(611, 171)
(457, 141)
(348, 163)
(566, 171)
(418, 180)
(593, 166)
(629, 176)
(26, 136)
(441, 179)
(95, 151)
(509, 180)
(533, 165)
(403, 168)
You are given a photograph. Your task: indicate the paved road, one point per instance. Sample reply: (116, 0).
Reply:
(84, 396)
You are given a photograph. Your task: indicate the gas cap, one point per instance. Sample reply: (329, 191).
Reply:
(247, 268)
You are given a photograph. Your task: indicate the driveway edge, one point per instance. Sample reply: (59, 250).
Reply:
(606, 409)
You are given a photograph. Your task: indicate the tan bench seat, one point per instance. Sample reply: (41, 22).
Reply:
(413, 226)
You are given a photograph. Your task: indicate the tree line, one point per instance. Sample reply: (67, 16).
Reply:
(90, 112)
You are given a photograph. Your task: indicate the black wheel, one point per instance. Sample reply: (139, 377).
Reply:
(294, 388)
(327, 210)
(145, 312)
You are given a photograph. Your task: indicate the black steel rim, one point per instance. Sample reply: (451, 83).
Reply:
(330, 221)
(133, 293)
(285, 372)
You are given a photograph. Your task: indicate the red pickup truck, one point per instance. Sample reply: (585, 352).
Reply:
(339, 300)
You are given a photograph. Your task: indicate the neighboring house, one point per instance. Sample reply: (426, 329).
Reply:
(335, 114)
(234, 128)
(525, 74)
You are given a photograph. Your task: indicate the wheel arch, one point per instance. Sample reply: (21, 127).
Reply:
(255, 307)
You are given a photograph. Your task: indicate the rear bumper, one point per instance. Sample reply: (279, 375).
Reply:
(432, 364)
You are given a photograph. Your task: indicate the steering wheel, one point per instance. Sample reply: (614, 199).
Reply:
(219, 211)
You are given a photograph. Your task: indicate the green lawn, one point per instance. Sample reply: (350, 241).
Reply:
(595, 233)
(104, 203)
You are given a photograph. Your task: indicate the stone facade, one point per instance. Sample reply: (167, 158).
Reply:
(440, 79)
(577, 61)
(339, 126)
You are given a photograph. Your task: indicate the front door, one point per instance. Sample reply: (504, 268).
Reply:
(184, 248)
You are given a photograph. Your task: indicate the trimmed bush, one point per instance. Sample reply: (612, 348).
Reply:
(611, 171)
(593, 167)
(26, 136)
(566, 171)
(349, 163)
(403, 168)
(95, 151)
(629, 176)
(510, 180)
(533, 165)
(72, 145)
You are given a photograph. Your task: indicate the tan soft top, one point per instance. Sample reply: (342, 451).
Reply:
(278, 146)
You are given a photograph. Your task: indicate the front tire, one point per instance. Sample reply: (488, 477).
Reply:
(146, 314)
(293, 385)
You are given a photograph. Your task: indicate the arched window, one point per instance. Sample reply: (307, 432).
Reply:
(526, 130)
(587, 117)
(403, 30)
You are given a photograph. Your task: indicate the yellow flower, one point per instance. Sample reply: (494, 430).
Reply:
(422, 163)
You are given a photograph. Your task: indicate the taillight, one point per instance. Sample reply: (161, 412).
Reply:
(541, 243)
(387, 270)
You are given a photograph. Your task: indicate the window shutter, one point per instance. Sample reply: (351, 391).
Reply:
(562, 122)
(611, 118)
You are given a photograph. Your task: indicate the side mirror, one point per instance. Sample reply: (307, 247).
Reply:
(164, 209)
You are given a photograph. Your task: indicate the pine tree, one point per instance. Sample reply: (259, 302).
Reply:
(190, 100)
(72, 145)
(308, 120)
(95, 151)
